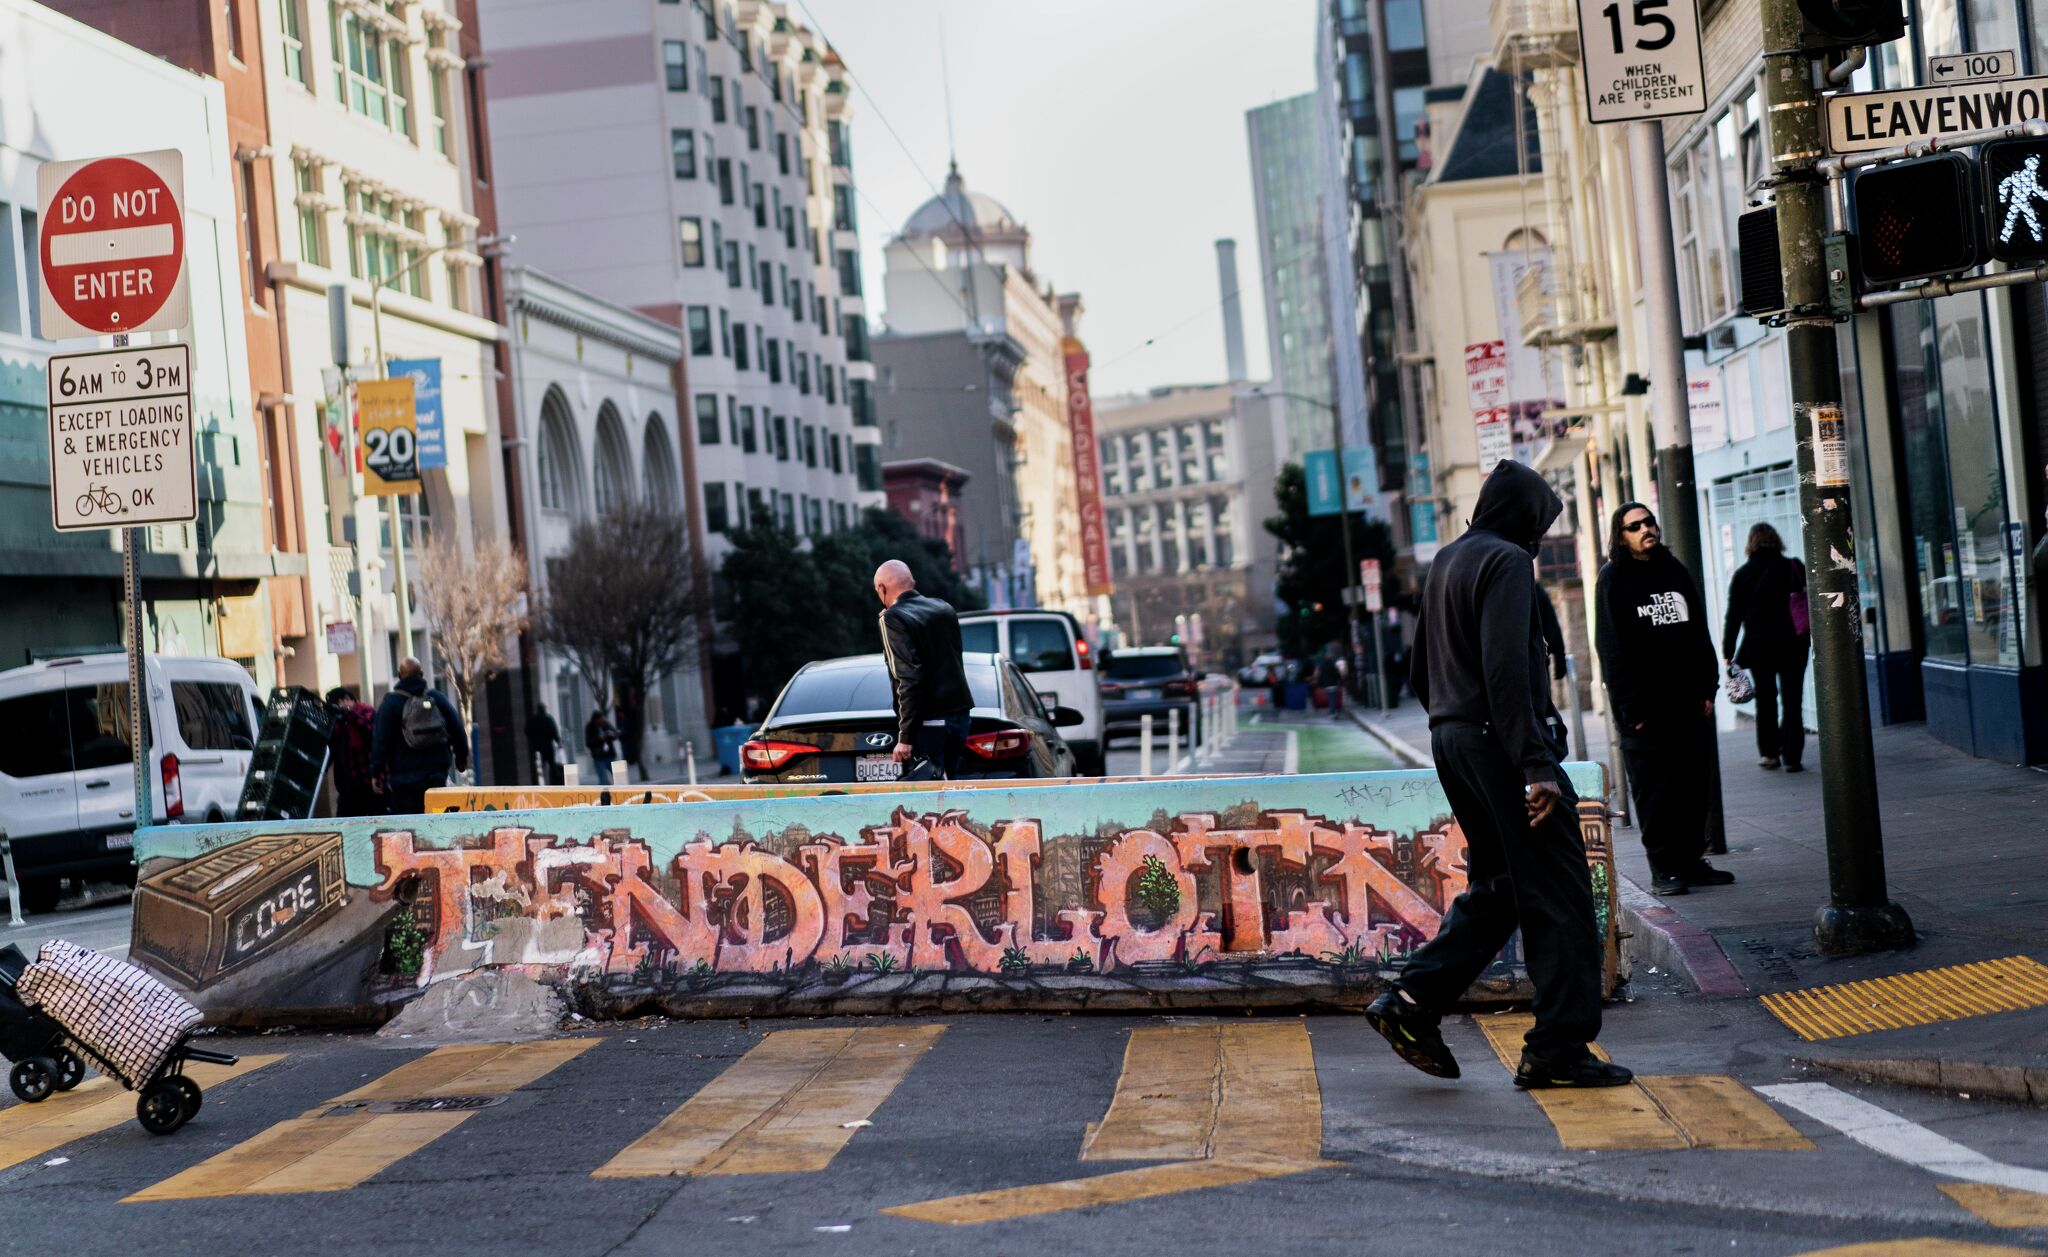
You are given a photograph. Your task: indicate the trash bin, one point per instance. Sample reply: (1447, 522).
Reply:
(1297, 695)
(728, 740)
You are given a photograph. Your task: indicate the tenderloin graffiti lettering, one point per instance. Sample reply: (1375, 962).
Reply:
(923, 892)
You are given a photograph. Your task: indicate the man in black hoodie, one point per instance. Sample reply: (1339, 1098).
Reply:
(1478, 668)
(1658, 656)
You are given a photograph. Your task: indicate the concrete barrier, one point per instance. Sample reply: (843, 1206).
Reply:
(515, 798)
(1219, 892)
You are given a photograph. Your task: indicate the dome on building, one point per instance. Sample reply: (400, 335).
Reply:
(957, 208)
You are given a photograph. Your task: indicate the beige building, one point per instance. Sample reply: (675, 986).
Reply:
(962, 266)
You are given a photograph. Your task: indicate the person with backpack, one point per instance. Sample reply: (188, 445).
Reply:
(349, 723)
(418, 735)
(1767, 609)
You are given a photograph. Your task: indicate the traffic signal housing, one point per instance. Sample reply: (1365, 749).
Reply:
(1917, 219)
(1849, 23)
(2016, 199)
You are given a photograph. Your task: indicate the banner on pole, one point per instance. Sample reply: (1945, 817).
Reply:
(390, 437)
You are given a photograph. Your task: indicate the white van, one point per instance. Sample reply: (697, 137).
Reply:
(67, 791)
(1049, 648)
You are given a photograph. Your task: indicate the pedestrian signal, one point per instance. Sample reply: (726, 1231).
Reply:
(2016, 199)
(1850, 23)
(1917, 219)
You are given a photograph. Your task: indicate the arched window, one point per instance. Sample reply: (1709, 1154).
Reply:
(658, 467)
(611, 481)
(559, 462)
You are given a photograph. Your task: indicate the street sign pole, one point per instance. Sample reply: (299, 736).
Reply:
(1859, 916)
(400, 589)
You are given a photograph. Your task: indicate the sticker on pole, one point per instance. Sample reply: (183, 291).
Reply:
(112, 255)
(1642, 59)
(1830, 446)
(391, 437)
(121, 439)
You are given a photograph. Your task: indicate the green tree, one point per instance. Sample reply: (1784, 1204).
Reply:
(1312, 575)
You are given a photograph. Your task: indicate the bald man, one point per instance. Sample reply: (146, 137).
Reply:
(921, 638)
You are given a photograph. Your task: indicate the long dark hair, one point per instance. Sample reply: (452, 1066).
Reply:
(1763, 537)
(1617, 540)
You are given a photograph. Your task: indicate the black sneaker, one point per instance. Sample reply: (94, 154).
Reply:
(1413, 1034)
(1667, 884)
(1705, 874)
(1587, 1071)
(1793, 766)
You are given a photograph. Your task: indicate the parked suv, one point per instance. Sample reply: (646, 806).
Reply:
(1140, 681)
(1049, 648)
(67, 793)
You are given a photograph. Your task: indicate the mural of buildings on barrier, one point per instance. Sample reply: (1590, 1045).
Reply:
(294, 919)
(521, 798)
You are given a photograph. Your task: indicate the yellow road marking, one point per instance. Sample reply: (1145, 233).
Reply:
(1923, 1248)
(315, 1153)
(2000, 1206)
(1912, 999)
(783, 1108)
(1103, 1189)
(30, 1130)
(1228, 1103)
(1668, 1111)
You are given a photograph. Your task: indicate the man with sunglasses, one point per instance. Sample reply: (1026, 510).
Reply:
(1658, 657)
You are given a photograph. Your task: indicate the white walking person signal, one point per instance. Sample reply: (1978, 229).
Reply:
(2018, 191)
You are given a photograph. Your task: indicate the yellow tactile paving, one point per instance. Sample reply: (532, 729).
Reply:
(1657, 1111)
(317, 1153)
(2008, 1207)
(1913, 999)
(1232, 1103)
(789, 1105)
(97, 1104)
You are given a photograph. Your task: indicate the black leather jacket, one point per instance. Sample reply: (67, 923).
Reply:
(921, 637)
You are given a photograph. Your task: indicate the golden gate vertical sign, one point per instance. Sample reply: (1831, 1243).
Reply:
(1087, 469)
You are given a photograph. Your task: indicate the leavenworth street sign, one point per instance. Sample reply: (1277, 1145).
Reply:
(1642, 59)
(1862, 122)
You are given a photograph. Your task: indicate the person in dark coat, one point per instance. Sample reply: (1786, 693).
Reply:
(1658, 658)
(350, 723)
(601, 739)
(1477, 666)
(921, 641)
(545, 737)
(1771, 644)
(417, 737)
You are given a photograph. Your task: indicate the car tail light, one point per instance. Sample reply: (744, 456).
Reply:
(174, 789)
(1081, 651)
(1111, 689)
(768, 757)
(1180, 689)
(1000, 743)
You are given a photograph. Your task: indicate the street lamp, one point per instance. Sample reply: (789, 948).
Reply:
(377, 286)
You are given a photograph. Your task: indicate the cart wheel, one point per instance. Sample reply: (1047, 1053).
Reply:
(188, 1094)
(33, 1078)
(161, 1109)
(70, 1070)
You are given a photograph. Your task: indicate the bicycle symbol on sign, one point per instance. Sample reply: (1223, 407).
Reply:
(102, 499)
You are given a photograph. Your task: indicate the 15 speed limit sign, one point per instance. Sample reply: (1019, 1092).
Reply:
(391, 436)
(1642, 59)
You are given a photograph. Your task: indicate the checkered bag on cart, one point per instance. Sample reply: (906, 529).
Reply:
(124, 1018)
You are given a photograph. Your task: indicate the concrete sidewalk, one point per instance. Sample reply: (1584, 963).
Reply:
(1966, 854)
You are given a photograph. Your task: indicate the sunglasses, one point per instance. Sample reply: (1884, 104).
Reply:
(1639, 524)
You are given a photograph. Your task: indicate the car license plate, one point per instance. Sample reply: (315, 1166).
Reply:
(1144, 694)
(120, 842)
(876, 768)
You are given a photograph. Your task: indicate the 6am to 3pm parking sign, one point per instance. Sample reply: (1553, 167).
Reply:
(121, 439)
(390, 436)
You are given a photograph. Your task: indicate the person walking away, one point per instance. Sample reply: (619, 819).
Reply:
(416, 739)
(602, 741)
(1477, 666)
(921, 640)
(1330, 677)
(350, 724)
(545, 737)
(1767, 609)
(1658, 657)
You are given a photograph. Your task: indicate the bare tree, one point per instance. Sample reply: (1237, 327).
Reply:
(474, 605)
(623, 605)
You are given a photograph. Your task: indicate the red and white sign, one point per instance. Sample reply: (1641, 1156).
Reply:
(1496, 439)
(1486, 375)
(1369, 577)
(1087, 469)
(113, 245)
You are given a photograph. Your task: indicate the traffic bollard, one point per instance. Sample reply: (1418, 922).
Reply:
(620, 775)
(572, 774)
(13, 882)
(1145, 745)
(1172, 739)
(690, 760)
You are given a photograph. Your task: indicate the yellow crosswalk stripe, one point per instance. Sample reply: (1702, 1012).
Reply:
(1656, 1111)
(97, 1104)
(1912, 999)
(1922, 1248)
(322, 1153)
(2009, 1207)
(787, 1106)
(1227, 1103)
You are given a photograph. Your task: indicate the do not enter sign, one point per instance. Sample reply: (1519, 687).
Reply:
(113, 245)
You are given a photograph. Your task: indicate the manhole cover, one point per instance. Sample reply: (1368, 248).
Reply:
(418, 1104)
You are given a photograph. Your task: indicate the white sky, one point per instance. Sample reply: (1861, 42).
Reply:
(1113, 128)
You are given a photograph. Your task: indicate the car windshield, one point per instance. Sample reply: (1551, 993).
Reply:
(865, 687)
(1141, 667)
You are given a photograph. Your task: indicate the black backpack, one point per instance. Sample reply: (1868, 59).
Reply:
(423, 725)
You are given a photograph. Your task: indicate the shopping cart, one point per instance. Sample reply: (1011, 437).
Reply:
(73, 1006)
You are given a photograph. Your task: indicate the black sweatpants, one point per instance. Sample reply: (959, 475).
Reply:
(1668, 776)
(1781, 731)
(1534, 877)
